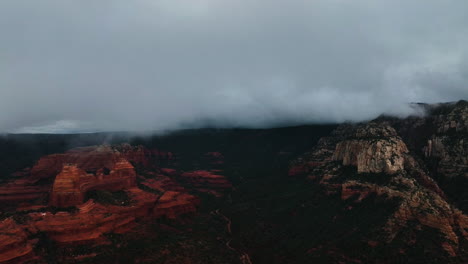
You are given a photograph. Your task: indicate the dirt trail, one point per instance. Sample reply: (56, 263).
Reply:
(244, 257)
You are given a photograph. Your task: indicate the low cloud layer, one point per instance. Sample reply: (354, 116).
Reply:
(164, 64)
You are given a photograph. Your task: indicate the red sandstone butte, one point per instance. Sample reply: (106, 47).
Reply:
(72, 183)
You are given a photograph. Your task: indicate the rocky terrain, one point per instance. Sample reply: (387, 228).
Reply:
(78, 197)
(358, 161)
(385, 191)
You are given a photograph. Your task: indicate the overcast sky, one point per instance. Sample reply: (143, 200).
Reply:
(79, 65)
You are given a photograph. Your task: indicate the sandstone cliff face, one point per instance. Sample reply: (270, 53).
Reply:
(372, 148)
(384, 167)
(67, 190)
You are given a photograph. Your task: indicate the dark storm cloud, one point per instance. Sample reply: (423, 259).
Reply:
(159, 64)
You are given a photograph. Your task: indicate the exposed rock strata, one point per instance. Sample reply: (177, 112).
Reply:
(82, 170)
(372, 149)
(14, 244)
(383, 167)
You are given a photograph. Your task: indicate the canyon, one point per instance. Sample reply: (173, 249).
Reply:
(384, 191)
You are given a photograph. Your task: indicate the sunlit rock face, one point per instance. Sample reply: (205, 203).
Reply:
(372, 148)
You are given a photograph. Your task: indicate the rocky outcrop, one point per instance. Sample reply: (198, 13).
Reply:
(72, 183)
(440, 141)
(89, 159)
(372, 148)
(67, 187)
(92, 220)
(79, 222)
(448, 146)
(359, 161)
(89, 222)
(97, 159)
(70, 175)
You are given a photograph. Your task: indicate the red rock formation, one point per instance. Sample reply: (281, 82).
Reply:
(93, 220)
(20, 191)
(99, 167)
(95, 158)
(72, 182)
(89, 159)
(67, 188)
(90, 222)
(14, 244)
(207, 181)
(172, 204)
(163, 183)
(93, 168)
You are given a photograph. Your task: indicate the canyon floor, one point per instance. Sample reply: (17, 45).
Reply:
(385, 191)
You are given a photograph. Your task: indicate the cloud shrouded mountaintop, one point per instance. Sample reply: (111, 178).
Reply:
(161, 64)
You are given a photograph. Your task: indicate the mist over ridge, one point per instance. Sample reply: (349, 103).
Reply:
(82, 66)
